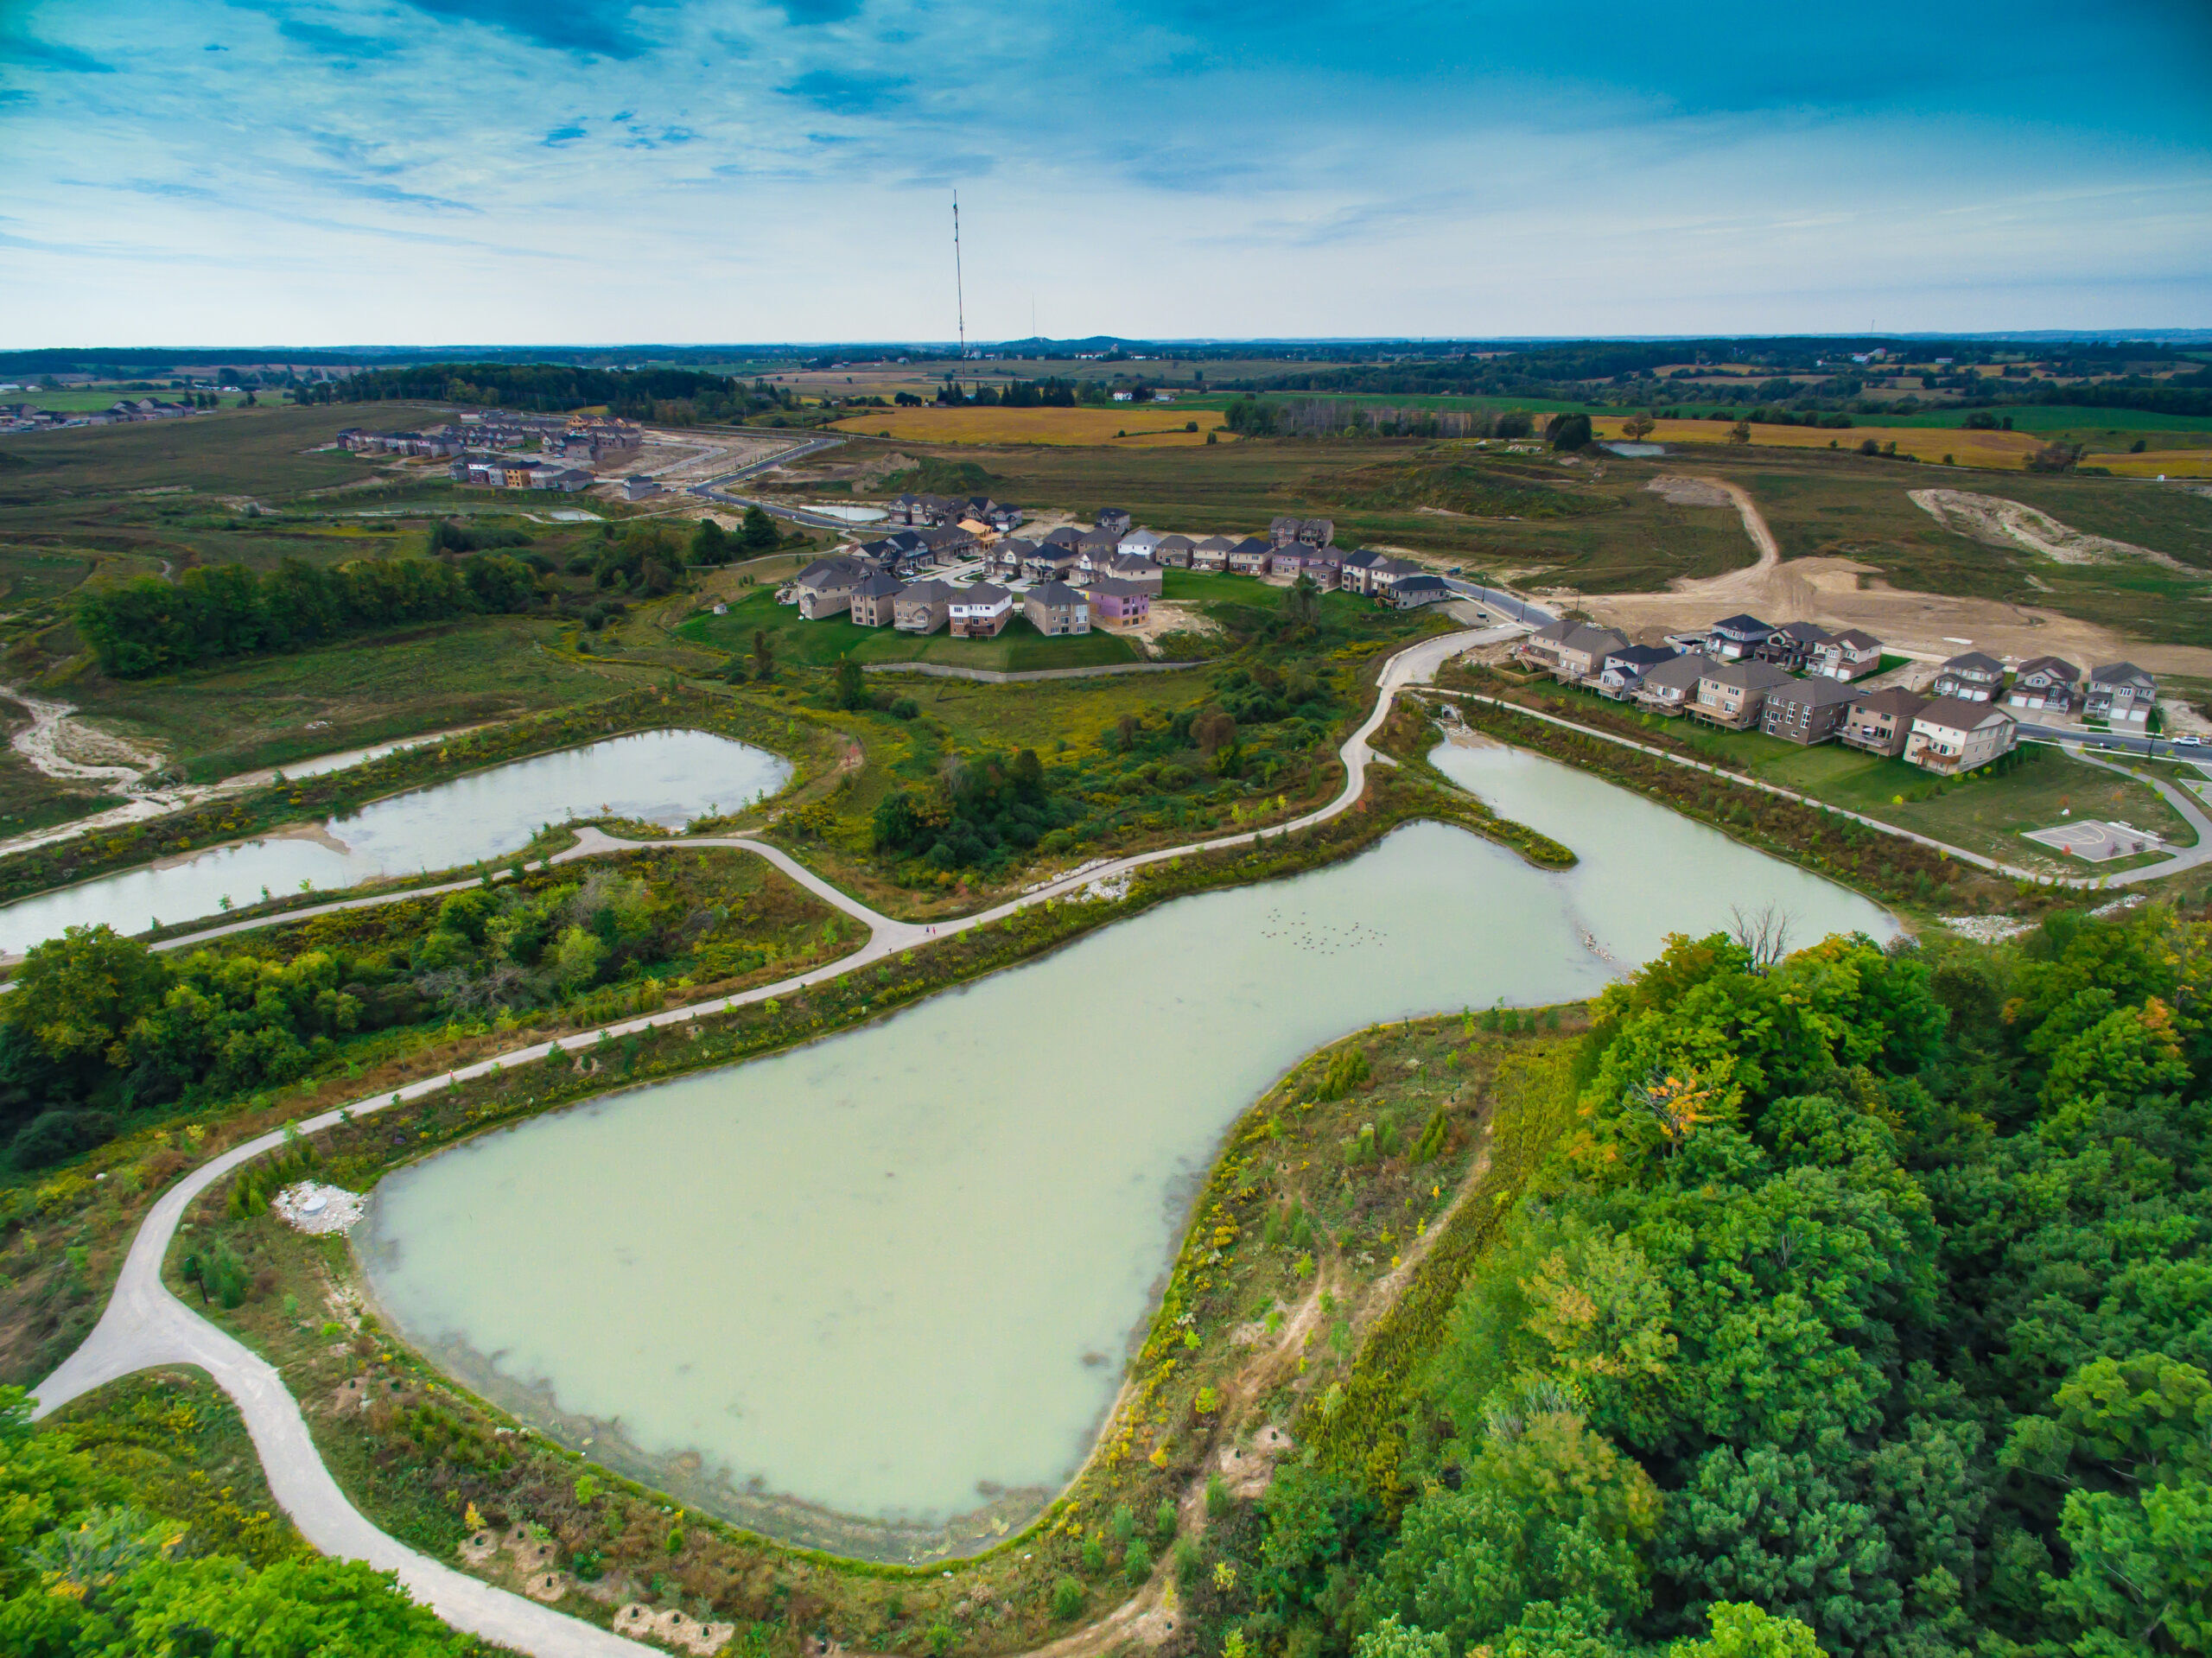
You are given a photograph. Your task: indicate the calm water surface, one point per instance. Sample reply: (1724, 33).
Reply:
(897, 1271)
(667, 778)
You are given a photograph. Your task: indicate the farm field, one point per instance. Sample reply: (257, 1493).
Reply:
(1147, 425)
(2008, 450)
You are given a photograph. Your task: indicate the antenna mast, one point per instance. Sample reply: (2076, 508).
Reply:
(959, 294)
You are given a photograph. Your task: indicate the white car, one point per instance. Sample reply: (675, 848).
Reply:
(2188, 739)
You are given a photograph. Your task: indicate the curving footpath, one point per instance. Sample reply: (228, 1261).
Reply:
(143, 1324)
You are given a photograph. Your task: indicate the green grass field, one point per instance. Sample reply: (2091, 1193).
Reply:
(248, 451)
(241, 717)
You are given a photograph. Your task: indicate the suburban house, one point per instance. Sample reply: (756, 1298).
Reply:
(1056, 607)
(1852, 654)
(1791, 645)
(1378, 574)
(825, 587)
(1729, 693)
(997, 514)
(2120, 691)
(1971, 676)
(1113, 518)
(1097, 548)
(976, 531)
(875, 599)
(1880, 722)
(981, 612)
(1251, 556)
(1954, 736)
(1540, 647)
(1807, 710)
(946, 541)
(1174, 551)
(1066, 536)
(920, 509)
(1050, 561)
(1412, 591)
(1671, 687)
(639, 487)
(1621, 672)
(1314, 532)
(1211, 554)
(2049, 683)
(923, 608)
(1116, 603)
(1011, 557)
(1128, 567)
(1288, 560)
(1142, 543)
(1737, 637)
(1583, 651)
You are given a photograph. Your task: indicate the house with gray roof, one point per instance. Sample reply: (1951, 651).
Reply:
(923, 608)
(1807, 711)
(1669, 687)
(2120, 692)
(1730, 693)
(1971, 676)
(981, 612)
(1057, 608)
(874, 598)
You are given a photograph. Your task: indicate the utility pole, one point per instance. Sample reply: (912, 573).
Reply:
(959, 292)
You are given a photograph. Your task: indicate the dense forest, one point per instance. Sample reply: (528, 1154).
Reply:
(84, 1571)
(148, 626)
(1867, 1306)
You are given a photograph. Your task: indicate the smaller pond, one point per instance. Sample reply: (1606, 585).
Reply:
(1634, 451)
(667, 778)
(849, 514)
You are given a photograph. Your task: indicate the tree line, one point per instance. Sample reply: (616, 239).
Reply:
(668, 395)
(148, 626)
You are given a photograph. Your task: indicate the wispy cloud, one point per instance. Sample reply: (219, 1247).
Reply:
(29, 53)
(591, 28)
(842, 93)
(336, 42)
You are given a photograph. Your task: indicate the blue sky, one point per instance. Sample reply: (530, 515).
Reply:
(433, 171)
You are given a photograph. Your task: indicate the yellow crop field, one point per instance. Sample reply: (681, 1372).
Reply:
(1147, 426)
(2008, 450)
(2155, 463)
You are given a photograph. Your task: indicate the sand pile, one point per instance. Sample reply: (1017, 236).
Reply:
(310, 1207)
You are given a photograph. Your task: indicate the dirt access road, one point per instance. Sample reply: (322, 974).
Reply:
(1839, 593)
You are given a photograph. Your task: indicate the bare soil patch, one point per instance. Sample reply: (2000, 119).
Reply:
(1997, 522)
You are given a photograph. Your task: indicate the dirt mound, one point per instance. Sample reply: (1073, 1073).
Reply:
(1688, 492)
(1996, 522)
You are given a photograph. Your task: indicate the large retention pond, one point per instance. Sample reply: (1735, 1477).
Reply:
(875, 1294)
(667, 778)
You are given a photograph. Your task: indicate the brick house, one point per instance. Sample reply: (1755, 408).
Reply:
(1055, 607)
(1807, 711)
(1852, 654)
(923, 608)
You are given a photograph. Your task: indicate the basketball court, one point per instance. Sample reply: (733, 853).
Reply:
(2093, 842)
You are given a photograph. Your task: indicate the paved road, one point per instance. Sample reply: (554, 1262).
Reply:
(712, 489)
(1506, 604)
(2156, 747)
(143, 1324)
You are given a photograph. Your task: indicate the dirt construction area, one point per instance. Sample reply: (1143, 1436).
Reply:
(1839, 593)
